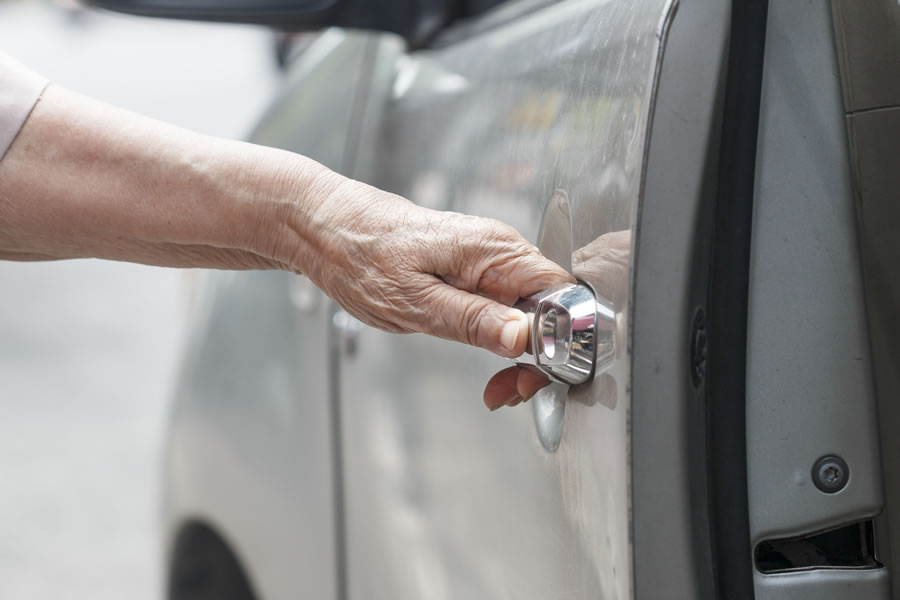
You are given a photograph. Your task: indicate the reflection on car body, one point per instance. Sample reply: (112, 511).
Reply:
(333, 461)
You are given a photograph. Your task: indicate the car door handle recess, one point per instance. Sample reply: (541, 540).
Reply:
(573, 333)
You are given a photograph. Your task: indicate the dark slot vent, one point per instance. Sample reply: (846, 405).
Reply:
(850, 547)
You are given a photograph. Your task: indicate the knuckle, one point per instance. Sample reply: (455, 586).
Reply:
(473, 322)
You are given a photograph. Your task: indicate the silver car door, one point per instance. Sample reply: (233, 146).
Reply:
(250, 451)
(814, 469)
(541, 117)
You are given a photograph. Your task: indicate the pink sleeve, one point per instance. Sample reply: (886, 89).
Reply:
(20, 90)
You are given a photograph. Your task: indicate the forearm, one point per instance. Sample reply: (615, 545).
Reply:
(84, 179)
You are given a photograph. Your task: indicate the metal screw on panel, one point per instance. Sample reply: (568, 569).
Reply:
(831, 474)
(698, 347)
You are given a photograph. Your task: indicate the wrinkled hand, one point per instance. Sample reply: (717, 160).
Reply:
(604, 263)
(403, 268)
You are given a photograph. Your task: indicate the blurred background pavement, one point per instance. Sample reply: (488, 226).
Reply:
(88, 348)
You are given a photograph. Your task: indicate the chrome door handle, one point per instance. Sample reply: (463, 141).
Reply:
(573, 333)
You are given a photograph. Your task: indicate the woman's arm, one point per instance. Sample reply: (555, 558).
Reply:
(84, 179)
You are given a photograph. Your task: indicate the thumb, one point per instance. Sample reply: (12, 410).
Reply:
(478, 321)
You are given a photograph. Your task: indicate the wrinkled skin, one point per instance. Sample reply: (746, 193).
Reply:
(407, 269)
(83, 179)
(604, 263)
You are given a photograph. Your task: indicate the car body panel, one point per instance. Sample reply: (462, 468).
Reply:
(809, 371)
(670, 489)
(443, 499)
(250, 445)
(343, 463)
(868, 35)
(868, 44)
(875, 136)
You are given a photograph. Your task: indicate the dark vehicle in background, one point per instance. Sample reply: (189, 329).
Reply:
(722, 176)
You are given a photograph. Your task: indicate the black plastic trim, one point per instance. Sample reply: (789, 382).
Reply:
(204, 567)
(851, 547)
(728, 304)
(275, 13)
(417, 21)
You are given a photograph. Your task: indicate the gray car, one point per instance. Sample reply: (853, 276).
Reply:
(722, 177)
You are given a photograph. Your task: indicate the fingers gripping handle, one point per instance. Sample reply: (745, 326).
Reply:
(573, 333)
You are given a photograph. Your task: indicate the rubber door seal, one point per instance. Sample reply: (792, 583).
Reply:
(727, 304)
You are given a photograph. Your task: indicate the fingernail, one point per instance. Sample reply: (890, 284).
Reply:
(510, 334)
(514, 398)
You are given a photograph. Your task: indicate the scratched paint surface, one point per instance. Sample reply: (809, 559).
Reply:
(445, 500)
